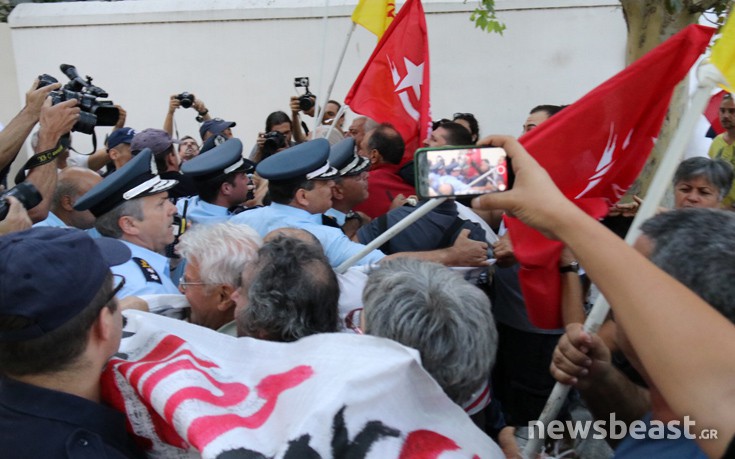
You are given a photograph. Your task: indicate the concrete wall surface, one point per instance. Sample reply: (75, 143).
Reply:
(241, 56)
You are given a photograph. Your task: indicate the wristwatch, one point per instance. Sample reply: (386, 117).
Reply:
(572, 267)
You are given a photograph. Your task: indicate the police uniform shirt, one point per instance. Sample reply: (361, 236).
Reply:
(337, 247)
(200, 211)
(146, 273)
(40, 423)
(339, 217)
(52, 220)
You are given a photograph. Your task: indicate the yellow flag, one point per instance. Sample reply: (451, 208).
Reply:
(375, 15)
(723, 53)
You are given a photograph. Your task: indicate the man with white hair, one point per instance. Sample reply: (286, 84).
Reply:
(216, 256)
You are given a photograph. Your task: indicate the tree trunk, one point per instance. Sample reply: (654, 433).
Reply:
(650, 23)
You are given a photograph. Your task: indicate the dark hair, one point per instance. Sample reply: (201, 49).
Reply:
(161, 158)
(457, 134)
(208, 189)
(293, 293)
(472, 121)
(551, 110)
(389, 143)
(727, 96)
(283, 191)
(717, 172)
(276, 118)
(58, 349)
(330, 101)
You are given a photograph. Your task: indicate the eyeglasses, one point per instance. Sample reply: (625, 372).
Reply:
(183, 284)
(119, 284)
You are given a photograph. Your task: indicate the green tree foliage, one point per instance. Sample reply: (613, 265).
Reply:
(484, 17)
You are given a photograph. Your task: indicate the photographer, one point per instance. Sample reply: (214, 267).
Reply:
(277, 136)
(189, 100)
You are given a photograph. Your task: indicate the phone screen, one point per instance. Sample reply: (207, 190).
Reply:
(463, 171)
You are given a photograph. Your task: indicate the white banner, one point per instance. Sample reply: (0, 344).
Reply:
(188, 390)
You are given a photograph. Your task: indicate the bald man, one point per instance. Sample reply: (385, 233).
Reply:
(72, 182)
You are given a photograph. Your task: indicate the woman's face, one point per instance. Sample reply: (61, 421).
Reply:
(696, 192)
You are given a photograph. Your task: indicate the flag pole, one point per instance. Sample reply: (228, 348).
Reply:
(324, 57)
(709, 77)
(398, 227)
(320, 113)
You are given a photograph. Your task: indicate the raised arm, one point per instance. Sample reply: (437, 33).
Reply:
(661, 317)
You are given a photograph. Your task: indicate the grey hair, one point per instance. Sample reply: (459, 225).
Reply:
(696, 246)
(433, 309)
(222, 250)
(717, 171)
(293, 293)
(107, 224)
(370, 124)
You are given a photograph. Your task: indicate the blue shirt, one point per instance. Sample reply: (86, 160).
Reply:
(146, 273)
(53, 221)
(337, 246)
(200, 211)
(339, 217)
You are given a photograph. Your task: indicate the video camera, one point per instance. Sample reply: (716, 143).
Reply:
(94, 112)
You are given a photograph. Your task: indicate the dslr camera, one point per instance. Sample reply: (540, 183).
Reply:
(274, 141)
(24, 192)
(186, 99)
(94, 112)
(306, 101)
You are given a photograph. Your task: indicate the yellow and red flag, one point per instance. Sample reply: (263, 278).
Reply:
(375, 15)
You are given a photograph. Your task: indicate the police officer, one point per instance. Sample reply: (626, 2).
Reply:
(350, 188)
(300, 181)
(220, 176)
(132, 205)
(59, 325)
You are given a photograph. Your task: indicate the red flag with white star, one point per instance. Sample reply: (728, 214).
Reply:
(594, 150)
(394, 85)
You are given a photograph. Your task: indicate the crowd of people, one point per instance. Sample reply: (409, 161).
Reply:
(273, 243)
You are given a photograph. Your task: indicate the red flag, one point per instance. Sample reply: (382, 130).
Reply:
(594, 150)
(394, 85)
(712, 112)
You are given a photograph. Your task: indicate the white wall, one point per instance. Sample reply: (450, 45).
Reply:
(240, 56)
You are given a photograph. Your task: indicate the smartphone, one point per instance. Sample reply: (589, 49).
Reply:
(461, 171)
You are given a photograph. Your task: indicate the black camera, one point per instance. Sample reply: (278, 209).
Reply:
(306, 101)
(94, 112)
(274, 140)
(24, 192)
(186, 99)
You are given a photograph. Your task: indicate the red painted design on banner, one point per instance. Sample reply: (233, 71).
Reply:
(425, 444)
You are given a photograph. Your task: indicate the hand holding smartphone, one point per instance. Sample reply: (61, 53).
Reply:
(462, 171)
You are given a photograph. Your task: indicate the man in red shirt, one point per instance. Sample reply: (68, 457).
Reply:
(384, 147)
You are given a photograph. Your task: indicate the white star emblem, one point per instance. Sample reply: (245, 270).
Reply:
(414, 77)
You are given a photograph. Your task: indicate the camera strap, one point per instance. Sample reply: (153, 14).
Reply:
(39, 159)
